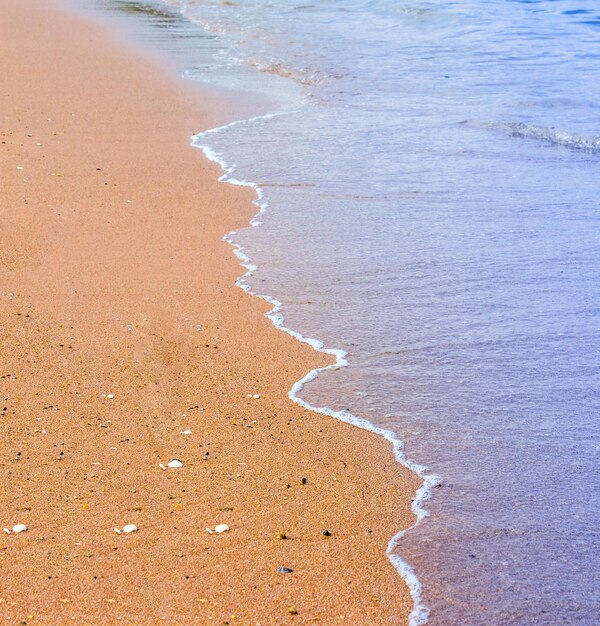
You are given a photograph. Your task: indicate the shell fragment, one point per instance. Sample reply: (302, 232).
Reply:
(175, 463)
(17, 528)
(221, 528)
(128, 528)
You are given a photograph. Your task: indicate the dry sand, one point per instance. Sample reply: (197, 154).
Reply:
(114, 279)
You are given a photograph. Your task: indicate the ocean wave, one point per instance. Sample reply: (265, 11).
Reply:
(554, 136)
(279, 69)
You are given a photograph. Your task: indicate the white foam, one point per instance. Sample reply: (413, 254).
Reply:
(420, 612)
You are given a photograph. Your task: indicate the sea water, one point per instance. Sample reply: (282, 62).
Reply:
(432, 178)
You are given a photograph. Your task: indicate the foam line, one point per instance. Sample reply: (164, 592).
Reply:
(420, 612)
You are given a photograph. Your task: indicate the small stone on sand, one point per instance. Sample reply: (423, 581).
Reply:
(186, 432)
(221, 528)
(19, 528)
(175, 463)
(130, 528)
(285, 570)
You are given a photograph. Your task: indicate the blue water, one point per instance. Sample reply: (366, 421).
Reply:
(434, 189)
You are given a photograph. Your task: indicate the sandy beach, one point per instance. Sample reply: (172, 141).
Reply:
(122, 328)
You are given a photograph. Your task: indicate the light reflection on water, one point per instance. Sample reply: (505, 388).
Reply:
(434, 211)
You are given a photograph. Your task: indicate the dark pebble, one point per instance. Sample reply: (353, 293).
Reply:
(327, 533)
(285, 570)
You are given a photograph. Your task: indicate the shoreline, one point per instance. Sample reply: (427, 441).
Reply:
(420, 612)
(131, 277)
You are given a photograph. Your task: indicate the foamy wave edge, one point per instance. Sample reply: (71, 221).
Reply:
(420, 613)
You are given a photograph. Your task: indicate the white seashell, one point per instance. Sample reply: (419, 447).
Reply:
(6, 530)
(162, 466)
(19, 528)
(130, 528)
(110, 396)
(117, 531)
(221, 528)
(186, 432)
(208, 530)
(175, 463)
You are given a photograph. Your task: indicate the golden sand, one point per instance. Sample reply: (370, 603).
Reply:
(121, 326)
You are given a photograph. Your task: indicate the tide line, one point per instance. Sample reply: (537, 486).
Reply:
(420, 613)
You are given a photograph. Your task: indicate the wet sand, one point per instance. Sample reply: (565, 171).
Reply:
(115, 281)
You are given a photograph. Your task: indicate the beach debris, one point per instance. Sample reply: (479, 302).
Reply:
(128, 528)
(282, 536)
(175, 463)
(162, 467)
(256, 396)
(221, 528)
(186, 432)
(326, 533)
(17, 528)
(292, 611)
(285, 570)
(109, 396)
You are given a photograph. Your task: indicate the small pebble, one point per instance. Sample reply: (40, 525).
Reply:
(327, 533)
(221, 528)
(128, 528)
(285, 570)
(175, 463)
(19, 528)
(185, 432)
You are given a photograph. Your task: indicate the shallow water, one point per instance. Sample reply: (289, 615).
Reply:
(433, 191)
